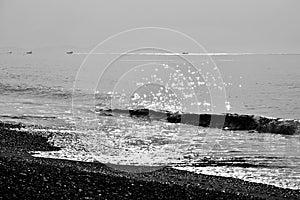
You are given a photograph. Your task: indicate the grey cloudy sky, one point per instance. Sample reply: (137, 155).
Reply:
(221, 26)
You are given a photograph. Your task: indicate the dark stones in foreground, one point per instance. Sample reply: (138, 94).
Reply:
(42, 179)
(25, 177)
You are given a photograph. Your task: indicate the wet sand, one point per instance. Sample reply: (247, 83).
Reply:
(26, 177)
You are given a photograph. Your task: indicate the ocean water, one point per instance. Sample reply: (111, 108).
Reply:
(39, 89)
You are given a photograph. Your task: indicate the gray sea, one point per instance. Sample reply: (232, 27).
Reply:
(39, 89)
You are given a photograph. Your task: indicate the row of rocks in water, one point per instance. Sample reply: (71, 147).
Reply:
(226, 121)
(239, 122)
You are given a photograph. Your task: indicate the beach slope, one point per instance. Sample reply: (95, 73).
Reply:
(26, 177)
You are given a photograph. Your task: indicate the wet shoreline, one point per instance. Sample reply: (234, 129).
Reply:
(28, 177)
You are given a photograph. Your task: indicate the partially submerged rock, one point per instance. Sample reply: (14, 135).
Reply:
(226, 121)
(280, 126)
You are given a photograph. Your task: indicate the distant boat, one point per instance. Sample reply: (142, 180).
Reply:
(29, 52)
(185, 52)
(69, 52)
(10, 52)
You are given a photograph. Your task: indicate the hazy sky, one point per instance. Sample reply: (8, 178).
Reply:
(221, 26)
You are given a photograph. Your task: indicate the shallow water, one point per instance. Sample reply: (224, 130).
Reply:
(37, 89)
(265, 158)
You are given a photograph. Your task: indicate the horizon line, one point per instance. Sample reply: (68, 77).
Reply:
(187, 54)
